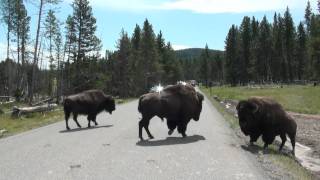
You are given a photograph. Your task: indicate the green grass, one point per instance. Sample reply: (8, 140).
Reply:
(285, 162)
(27, 122)
(295, 98)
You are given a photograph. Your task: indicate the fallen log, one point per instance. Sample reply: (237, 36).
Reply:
(43, 101)
(18, 111)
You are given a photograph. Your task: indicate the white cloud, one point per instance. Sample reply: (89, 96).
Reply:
(231, 6)
(179, 47)
(200, 6)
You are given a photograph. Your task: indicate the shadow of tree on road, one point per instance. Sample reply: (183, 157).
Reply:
(172, 141)
(84, 129)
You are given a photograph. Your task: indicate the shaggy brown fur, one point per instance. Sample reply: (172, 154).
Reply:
(264, 116)
(90, 103)
(177, 103)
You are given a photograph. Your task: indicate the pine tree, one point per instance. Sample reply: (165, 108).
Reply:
(264, 51)
(42, 4)
(276, 48)
(20, 25)
(289, 37)
(149, 56)
(231, 50)
(122, 65)
(301, 52)
(205, 66)
(307, 16)
(162, 51)
(315, 46)
(253, 73)
(87, 42)
(135, 64)
(245, 45)
(51, 25)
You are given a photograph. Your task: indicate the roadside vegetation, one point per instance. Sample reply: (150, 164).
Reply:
(285, 162)
(13, 125)
(295, 98)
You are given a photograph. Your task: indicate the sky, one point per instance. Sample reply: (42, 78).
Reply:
(185, 23)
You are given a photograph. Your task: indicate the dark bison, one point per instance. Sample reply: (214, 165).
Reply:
(90, 103)
(264, 116)
(177, 103)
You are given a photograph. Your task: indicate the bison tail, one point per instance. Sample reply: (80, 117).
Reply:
(139, 105)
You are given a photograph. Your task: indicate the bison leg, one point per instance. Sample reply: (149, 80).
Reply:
(144, 123)
(253, 138)
(293, 142)
(284, 139)
(75, 116)
(171, 125)
(182, 128)
(89, 120)
(140, 129)
(146, 127)
(94, 120)
(66, 116)
(267, 139)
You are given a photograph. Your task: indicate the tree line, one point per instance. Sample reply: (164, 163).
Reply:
(25, 72)
(73, 55)
(254, 52)
(263, 52)
(140, 62)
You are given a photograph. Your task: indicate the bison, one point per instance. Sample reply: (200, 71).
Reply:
(90, 103)
(264, 116)
(177, 103)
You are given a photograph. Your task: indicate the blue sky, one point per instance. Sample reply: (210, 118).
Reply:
(185, 23)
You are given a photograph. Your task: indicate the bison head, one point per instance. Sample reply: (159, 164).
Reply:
(110, 104)
(198, 106)
(246, 114)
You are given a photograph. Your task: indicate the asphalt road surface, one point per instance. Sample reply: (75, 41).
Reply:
(112, 150)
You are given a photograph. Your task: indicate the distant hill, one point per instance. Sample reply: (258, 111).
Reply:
(193, 53)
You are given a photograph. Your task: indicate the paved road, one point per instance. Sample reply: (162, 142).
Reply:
(112, 151)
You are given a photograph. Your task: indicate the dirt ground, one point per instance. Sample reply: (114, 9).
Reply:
(308, 131)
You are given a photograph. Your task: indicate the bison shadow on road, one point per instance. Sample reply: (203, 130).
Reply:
(171, 141)
(84, 129)
(255, 149)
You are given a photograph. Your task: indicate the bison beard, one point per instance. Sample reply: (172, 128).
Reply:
(177, 103)
(90, 103)
(266, 117)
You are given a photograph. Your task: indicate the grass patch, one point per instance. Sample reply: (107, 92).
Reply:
(285, 162)
(295, 98)
(31, 121)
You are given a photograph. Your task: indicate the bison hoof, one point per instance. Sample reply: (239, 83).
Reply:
(184, 135)
(151, 137)
(251, 143)
(68, 128)
(141, 139)
(170, 132)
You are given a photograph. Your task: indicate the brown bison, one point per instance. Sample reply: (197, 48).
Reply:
(264, 116)
(177, 103)
(90, 103)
